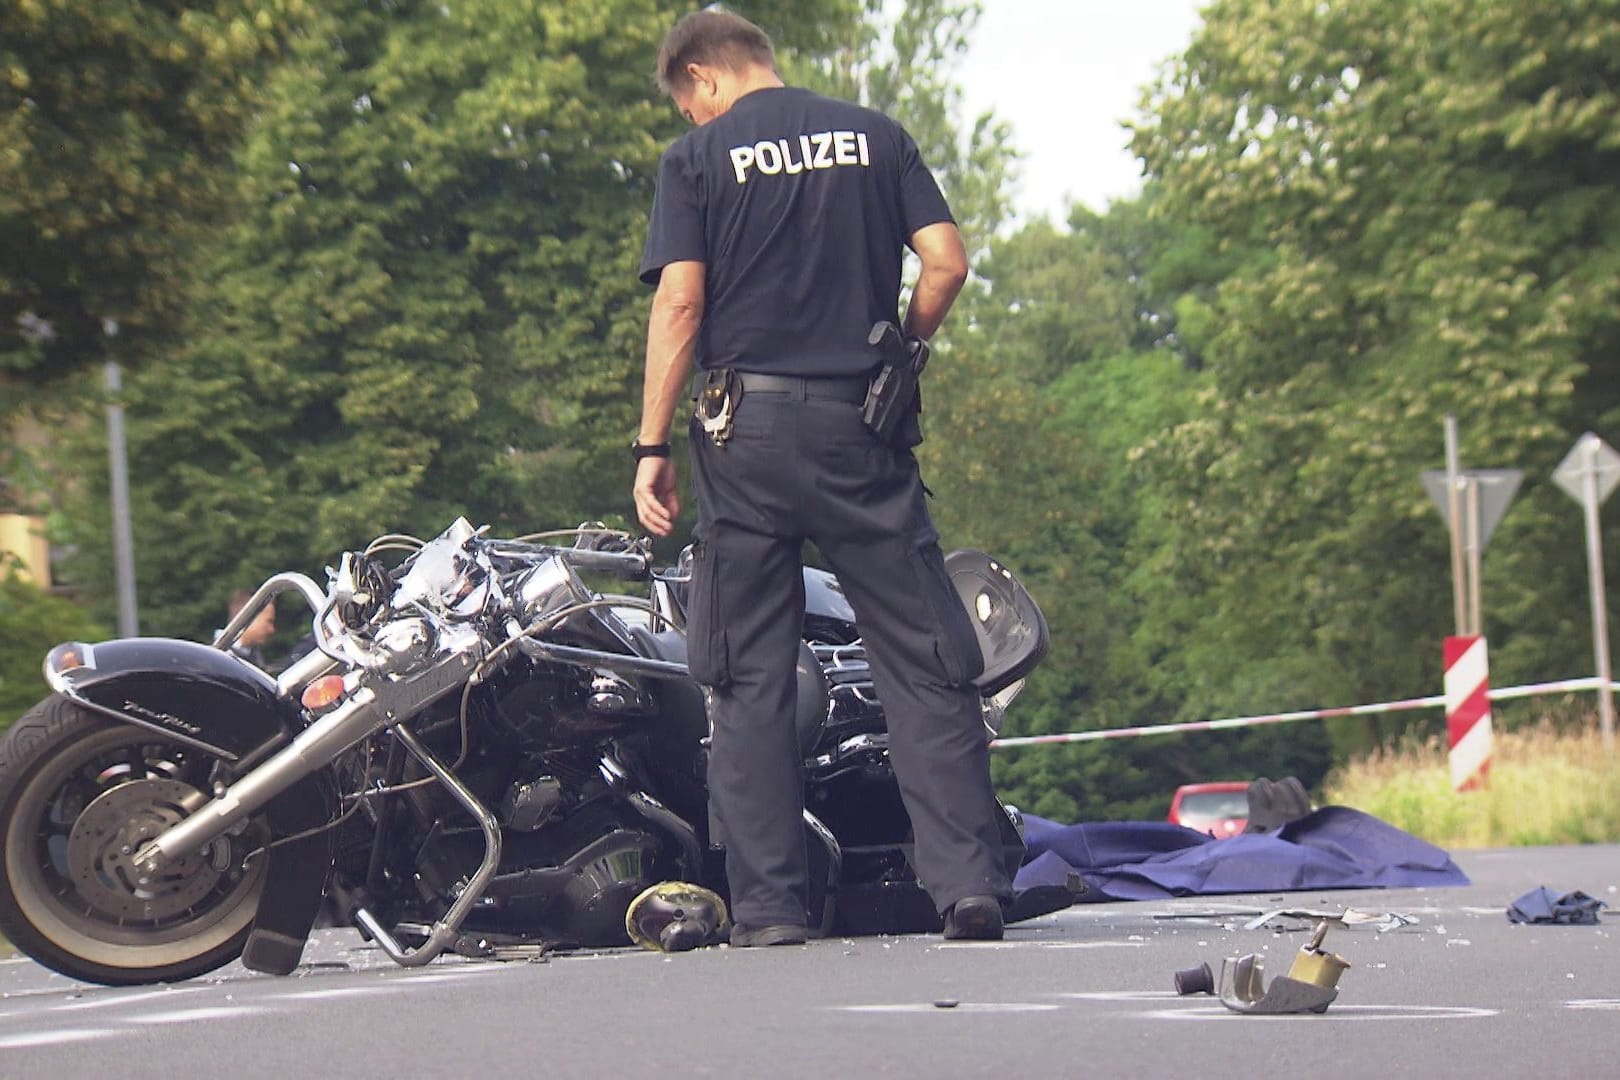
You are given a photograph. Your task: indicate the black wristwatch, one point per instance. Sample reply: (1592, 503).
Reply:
(639, 449)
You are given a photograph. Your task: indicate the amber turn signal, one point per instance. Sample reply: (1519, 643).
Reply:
(322, 692)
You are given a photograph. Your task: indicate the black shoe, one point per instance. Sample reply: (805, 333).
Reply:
(974, 918)
(748, 937)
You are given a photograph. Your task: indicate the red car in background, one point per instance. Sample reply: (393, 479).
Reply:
(1220, 808)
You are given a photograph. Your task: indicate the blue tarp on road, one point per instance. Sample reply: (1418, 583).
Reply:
(1331, 848)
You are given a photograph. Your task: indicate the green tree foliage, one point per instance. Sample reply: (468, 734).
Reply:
(1083, 318)
(1193, 424)
(902, 61)
(1417, 201)
(31, 622)
(426, 304)
(1061, 300)
(115, 116)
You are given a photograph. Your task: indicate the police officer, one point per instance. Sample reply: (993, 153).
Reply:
(775, 243)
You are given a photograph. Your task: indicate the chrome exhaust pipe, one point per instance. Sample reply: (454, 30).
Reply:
(314, 747)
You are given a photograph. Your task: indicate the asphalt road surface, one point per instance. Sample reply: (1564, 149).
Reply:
(1455, 991)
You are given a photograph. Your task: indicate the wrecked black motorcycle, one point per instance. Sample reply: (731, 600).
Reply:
(482, 751)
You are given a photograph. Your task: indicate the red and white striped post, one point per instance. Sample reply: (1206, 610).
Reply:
(1468, 711)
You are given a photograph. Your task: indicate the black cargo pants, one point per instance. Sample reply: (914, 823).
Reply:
(800, 466)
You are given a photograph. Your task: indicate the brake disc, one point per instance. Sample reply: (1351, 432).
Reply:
(101, 853)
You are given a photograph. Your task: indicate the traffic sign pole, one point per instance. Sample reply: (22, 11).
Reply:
(1475, 548)
(1600, 616)
(118, 482)
(1588, 473)
(1454, 522)
(1472, 501)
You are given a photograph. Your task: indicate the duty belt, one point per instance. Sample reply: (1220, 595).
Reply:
(716, 394)
(849, 388)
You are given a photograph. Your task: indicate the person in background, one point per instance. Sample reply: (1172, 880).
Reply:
(249, 645)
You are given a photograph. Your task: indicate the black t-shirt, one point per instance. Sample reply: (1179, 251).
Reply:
(798, 206)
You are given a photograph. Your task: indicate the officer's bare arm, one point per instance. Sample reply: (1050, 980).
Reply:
(672, 331)
(944, 271)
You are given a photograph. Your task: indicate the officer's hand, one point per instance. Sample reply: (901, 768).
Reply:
(656, 501)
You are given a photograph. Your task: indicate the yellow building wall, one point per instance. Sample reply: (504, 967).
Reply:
(24, 537)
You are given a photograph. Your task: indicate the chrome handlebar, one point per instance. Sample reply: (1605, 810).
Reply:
(312, 593)
(347, 646)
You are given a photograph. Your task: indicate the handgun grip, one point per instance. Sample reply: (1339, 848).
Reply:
(890, 342)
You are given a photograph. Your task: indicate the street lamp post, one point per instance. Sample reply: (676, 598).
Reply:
(123, 535)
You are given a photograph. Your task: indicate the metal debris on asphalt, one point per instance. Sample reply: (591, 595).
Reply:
(1311, 984)
(1195, 980)
(1348, 919)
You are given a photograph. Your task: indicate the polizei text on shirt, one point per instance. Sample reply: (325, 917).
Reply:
(795, 154)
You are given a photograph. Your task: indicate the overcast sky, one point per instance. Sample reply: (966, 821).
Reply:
(1064, 74)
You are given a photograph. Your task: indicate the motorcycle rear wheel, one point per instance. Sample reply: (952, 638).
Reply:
(78, 795)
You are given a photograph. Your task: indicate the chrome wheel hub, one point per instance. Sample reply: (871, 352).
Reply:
(113, 828)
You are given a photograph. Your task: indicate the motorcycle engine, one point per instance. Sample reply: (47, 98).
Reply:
(849, 700)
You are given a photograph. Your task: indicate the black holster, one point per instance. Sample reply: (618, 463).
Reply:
(893, 408)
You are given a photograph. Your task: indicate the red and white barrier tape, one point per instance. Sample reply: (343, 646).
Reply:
(1563, 686)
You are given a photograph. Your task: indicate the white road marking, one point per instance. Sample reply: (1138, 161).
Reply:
(334, 992)
(457, 974)
(956, 948)
(161, 997)
(47, 1038)
(1089, 944)
(965, 1006)
(426, 980)
(1340, 1012)
(1603, 1004)
(183, 1016)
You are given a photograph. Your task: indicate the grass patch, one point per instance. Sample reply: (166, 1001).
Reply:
(1548, 785)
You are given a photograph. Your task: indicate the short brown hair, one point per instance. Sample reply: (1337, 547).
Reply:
(716, 38)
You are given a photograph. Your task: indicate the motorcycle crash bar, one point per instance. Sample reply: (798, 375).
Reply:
(447, 929)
